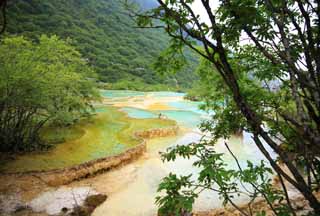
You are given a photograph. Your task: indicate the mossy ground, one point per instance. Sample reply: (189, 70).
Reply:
(55, 135)
(109, 132)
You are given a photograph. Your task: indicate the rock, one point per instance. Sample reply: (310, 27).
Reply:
(95, 200)
(79, 211)
(90, 203)
(161, 132)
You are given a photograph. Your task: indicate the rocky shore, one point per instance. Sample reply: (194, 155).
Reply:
(148, 134)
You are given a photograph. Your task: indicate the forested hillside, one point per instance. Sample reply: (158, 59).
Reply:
(105, 35)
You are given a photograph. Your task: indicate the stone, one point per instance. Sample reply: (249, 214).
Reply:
(95, 200)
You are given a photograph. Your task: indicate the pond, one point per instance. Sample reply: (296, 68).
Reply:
(111, 132)
(108, 133)
(139, 195)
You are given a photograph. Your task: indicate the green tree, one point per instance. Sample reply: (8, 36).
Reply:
(273, 81)
(40, 83)
(3, 21)
(102, 32)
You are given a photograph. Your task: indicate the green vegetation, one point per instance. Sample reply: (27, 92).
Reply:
(269, 86)
(209, 87)
(55, 135)
(108, 133)
(105, 35)
(44, 83)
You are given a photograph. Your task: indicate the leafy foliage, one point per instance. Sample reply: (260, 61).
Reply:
(40, 83)
(252, 181)
(104, 34)
(179, 198)
(268, 85)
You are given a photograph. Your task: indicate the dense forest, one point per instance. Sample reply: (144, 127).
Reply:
(105, 35)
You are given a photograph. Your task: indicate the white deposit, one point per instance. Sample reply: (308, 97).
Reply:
(52, 202)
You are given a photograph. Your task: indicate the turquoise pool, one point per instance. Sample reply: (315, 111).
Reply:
(120, 93)
(139, 113)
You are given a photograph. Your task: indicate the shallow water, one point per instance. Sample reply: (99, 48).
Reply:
(139, 195)
(117, 93)
(165, 94)
(132, 189)
(184, 118)
(139, 113)
(110, 132)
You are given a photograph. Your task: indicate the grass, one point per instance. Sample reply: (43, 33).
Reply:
(108, 133)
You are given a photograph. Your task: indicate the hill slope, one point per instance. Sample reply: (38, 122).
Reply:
(104, 34)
